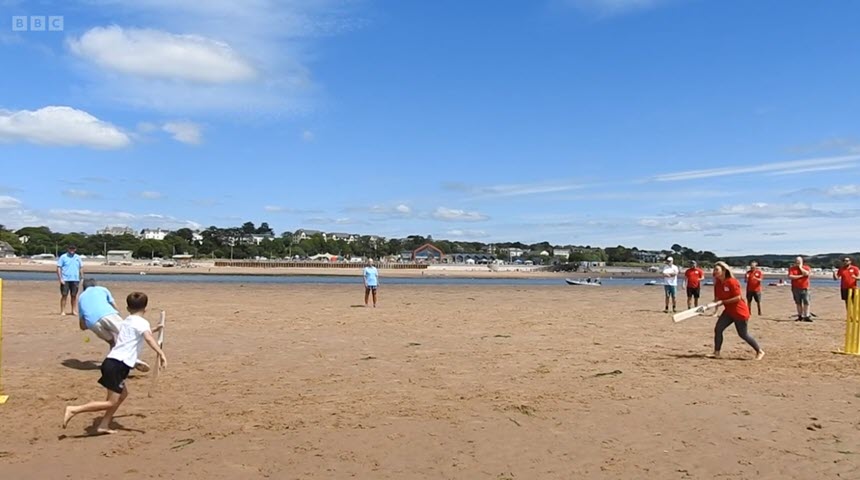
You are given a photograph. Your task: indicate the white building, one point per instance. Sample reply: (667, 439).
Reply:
(257, 238)
(116, 231)
(303, 234)
(346, 237)
(561, 252)
(156, 234)
(114, 256)
(648, 257)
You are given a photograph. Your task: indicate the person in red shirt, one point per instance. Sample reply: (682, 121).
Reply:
(799, 275)
(754, 277)
(848, 273)
(693, 277)
(727, 294)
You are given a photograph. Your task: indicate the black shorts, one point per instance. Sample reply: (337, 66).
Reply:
(114, 374)
(694, 292)
(754, 296)
(845, 292)
(67, 287)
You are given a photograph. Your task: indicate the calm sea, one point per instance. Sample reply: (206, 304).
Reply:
(339, 280)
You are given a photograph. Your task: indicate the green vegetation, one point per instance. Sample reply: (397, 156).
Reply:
(249, 241)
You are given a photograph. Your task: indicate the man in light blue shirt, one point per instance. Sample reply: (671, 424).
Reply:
(70, 272)
(371, 282)
(98, 312)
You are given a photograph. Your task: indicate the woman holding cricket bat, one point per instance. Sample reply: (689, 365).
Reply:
(728, 294)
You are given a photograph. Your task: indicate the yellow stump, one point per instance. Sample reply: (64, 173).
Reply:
(852, 324)
(3, 398)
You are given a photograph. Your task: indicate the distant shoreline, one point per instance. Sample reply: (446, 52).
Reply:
(209, 269)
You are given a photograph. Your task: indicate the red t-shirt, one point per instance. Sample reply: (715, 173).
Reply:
(754, 280)
(847, 275)
(730, 288)
(694, 276)
(802, 282)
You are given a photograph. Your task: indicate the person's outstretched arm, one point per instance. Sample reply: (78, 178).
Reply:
(150, 340)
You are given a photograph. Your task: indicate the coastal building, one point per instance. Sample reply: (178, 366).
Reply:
(197, 237)
(470, 258)
(116, 231)
(561, 253)
(648, 256)
(183, 260)
(117, 256)
(346, 237)
(256, 238)
(6, 250)
(427, 253)
(302, 234)
(153, 234)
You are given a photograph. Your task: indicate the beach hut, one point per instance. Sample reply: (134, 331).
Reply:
(6, 250)
(183, 260)
(117, 256)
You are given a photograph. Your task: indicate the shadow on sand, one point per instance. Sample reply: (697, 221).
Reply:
(76, 364)
(114, 425)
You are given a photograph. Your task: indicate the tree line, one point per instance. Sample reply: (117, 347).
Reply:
(237, 243)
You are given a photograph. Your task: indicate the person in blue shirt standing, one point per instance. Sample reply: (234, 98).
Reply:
(70, 272)
(371, 282)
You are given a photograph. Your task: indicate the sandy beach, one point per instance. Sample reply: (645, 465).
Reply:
(302, 382)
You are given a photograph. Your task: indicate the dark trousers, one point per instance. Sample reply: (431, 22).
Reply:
(741, 326)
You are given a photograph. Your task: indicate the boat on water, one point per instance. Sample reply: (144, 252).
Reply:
(652, 283)
(708, 282)
(780, 283)
(587, 283)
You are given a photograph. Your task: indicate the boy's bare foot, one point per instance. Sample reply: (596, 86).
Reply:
(67, 416)
(105, 431)
(759, 355)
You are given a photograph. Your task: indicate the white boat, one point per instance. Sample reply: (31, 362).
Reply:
(583, 282)
(652, 283)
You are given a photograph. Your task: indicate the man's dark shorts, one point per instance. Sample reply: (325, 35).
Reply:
(846, 291)
(694, 292)
(754, 296)
(801, 296)
(69, 287)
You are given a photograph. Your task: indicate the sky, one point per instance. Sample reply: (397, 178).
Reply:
(729, 126)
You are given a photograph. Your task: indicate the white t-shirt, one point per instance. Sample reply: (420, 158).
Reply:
(129, 341)
(672, 271)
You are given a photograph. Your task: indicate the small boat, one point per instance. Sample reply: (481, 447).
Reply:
(778, 284)
(708, 282)
(588, 283)
(652, 283)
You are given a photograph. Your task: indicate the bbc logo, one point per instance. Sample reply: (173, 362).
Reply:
(36, 23)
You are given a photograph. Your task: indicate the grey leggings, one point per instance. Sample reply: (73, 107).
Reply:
(741, 326)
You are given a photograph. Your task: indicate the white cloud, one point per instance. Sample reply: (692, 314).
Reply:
(308, 136)
(513, 190)
(403, 209)
(383, 211)
(457, 233)
(7, 202)
(615, 7)
(84, 194)
(245, 57)
(791, 167)
(76, 220)
(60, 126)
(454, 215)
(843, 191)
(150, 195)
(162, 55)
(185, 132)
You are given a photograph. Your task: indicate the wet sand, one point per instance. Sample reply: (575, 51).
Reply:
(287, 381)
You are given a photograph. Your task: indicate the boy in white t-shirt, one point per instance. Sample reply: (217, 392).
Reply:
(670, 282)
(123, 357)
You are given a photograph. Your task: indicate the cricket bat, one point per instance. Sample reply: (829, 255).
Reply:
(160, 341)
(693, 312)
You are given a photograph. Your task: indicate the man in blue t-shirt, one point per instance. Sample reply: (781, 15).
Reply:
(371, 282)
(98, 312)
(70, 271)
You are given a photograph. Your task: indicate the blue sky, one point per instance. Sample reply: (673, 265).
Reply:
(722, 125)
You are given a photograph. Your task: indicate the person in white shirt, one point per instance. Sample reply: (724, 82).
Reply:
(670, 282)
(133, 333)
(371, 282)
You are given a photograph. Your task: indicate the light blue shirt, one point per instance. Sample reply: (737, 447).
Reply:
(95, 303)
(371, 277)
(70, 267)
